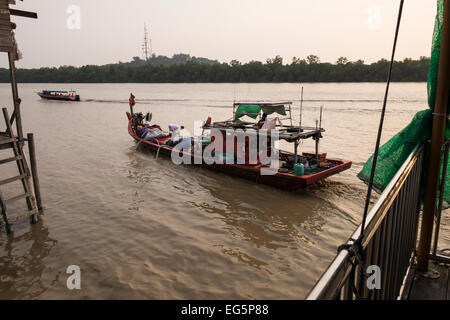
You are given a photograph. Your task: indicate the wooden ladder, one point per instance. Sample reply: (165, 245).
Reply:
(8, 140)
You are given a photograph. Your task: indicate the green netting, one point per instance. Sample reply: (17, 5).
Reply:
(248, 110)
(393, 154)
(435, 53)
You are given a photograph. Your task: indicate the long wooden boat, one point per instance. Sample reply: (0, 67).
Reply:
(59, 95)
(284, 180)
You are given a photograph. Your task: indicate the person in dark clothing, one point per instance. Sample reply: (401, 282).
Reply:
(261, 122)
(132, 102)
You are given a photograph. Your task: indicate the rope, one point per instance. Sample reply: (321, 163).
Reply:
(157, 152)
(380, 128)
(356, 249)
(159, 148)
(439, 114)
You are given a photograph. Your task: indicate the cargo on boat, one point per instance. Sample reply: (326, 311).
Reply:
(293, 170)
(59, 95)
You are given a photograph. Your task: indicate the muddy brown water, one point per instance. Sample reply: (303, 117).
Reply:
(140, 227)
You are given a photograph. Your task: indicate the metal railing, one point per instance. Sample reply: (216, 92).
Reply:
(435, 254)
(389, 241)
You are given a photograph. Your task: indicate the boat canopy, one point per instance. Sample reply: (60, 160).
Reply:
(57, 91)
(252, 110)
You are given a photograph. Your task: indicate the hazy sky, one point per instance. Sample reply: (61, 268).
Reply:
(112, 30)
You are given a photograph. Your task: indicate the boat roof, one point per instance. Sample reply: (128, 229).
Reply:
(288, 132)
(262, 103)
(255, 109)
(58, 91)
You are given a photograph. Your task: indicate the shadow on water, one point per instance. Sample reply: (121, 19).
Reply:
(256, 214)
(254, 225)
(22, 263)
(263, 215)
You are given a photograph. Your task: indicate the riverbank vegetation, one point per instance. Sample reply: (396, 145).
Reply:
(183, 68)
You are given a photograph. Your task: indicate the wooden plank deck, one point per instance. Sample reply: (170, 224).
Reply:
(431, 289)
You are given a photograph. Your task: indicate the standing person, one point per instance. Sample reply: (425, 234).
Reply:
(132, 103)
(262, 121)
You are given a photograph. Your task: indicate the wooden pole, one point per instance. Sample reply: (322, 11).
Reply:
(437, 141)
(9, 228)
(16, 99)
(34, 170)
(18, 152)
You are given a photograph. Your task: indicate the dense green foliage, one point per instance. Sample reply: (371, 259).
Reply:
(198, 70)
(179, 58)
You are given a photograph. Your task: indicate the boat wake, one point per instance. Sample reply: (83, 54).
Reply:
(106, 101)
(346, 198)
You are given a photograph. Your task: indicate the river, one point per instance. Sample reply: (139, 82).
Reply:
(144, 228)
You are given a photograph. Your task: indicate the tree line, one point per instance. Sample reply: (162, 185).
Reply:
(310, 69)
(179, 58)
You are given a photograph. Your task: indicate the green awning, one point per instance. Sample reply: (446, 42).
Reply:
(274, 109)
(248, 110)
(253, 110)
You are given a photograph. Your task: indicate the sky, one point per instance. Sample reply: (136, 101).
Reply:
(81, 32)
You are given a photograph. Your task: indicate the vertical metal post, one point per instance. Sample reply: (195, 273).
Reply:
(34, 170)
(317, 150)
(441, 198)
(318, 137)
(437, 141)
(320, 121)
(290, 113)
(301, 111)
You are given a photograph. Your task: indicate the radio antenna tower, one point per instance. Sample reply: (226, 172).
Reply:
(146, 46)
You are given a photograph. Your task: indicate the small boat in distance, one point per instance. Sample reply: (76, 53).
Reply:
(59, 95)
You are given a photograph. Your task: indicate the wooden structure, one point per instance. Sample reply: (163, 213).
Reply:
(10, 140)
(290, 133)
(241, 153)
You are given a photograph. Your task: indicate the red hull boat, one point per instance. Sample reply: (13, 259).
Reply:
(284, 180)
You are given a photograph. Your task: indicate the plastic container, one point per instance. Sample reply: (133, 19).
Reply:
(299, 169)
